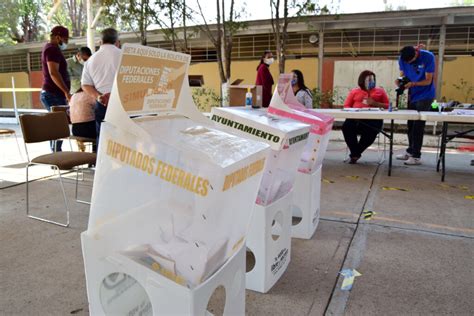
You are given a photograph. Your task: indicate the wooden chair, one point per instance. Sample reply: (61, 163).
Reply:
(51, 127)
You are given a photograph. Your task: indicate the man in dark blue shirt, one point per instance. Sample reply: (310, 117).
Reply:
(417, 65)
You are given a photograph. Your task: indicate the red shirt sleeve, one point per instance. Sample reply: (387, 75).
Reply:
(382, 97)
(349, 100)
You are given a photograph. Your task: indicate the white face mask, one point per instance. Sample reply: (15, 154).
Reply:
(63, 46)
(268, 61)
(81, 61)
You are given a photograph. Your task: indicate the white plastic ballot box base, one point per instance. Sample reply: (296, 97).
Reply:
(269, 239)
(306, 204)
(117, 284)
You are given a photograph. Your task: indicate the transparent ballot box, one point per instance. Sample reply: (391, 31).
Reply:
(172, 198)
(285, 104)
(187, 180)
(286, 137)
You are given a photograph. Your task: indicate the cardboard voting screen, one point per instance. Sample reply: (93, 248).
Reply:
(285, 104)
(179, 192)
(150, 81)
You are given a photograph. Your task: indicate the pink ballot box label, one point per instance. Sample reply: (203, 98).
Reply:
(285, 104)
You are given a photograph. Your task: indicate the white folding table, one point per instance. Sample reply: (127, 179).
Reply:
(447, 118)
(375, 115)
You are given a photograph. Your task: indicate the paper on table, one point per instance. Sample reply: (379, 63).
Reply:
(360, 109)
(461, 112)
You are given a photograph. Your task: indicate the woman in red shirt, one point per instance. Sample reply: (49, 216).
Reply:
(365, 96)
(264, 77)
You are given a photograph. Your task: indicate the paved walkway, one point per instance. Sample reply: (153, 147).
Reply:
(415, 254)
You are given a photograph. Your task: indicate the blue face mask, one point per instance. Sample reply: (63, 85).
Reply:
(62, 46)
(371, 85)
(293, 81)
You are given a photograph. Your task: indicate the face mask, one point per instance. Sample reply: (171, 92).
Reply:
(294, 81)
(369, 82)
(62, 46)
(371, 85)
(268, 61)
(81, 61)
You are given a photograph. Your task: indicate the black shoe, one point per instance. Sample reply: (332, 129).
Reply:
(352, 160)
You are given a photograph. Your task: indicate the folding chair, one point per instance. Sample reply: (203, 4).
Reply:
(382, 150)
(51, 127)
(81, 141)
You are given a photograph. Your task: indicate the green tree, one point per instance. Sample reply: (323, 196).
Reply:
(391, 7)
(21, 21)
(284, 12)
(227, 25)
(77, 16)
(134, 15)
(173, 19)
(462, 3)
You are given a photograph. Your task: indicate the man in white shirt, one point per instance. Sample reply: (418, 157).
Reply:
(99, 73)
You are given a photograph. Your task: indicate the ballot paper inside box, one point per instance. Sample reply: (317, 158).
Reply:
(286, 137)
(285, 104)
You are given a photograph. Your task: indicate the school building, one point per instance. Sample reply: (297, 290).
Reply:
(331, 51)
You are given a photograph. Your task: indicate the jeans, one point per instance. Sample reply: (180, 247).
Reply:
(368, 131)
(416, 129)
(48, 100)
(100, 110)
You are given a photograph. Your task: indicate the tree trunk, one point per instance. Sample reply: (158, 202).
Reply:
(276, 26)
(184, 27)
(284, 37)
(229, 43)
(218, 44)
(142, 24)
(171, 16)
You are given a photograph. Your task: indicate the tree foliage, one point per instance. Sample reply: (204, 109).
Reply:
(21, 21)
(134, 15)
(285, 11)
(227, 25)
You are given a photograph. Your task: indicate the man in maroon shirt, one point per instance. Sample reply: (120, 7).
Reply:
(56, 82)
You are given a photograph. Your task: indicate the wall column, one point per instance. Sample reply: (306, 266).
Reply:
(320, 59)
(439, 75)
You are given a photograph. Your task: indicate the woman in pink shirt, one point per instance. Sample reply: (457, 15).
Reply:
(81, 111)
(365, 96)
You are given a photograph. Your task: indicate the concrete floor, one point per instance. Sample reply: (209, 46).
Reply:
(415, 255)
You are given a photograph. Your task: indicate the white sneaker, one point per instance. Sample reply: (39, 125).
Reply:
(404, 156)
(413, 161)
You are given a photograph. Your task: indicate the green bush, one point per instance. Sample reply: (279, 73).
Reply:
(205, 98)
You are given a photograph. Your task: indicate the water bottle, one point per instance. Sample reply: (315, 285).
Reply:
(435, 106)
(390, 106)
(248, 98)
